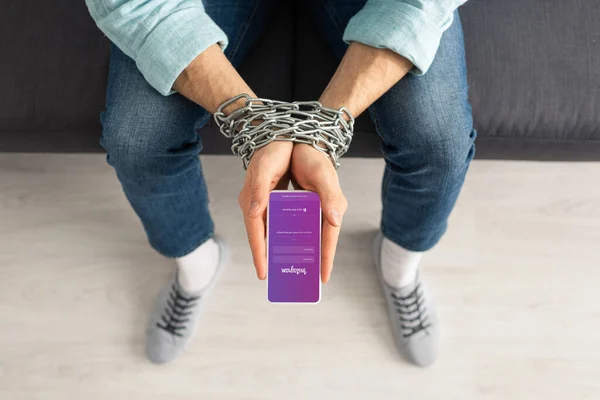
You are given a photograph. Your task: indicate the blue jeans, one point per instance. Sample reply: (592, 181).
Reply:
(424, 122)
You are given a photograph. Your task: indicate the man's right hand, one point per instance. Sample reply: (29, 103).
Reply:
(268, 170)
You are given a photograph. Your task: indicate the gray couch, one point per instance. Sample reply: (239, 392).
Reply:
(534, 76)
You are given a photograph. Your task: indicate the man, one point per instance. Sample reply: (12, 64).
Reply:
(173, 64)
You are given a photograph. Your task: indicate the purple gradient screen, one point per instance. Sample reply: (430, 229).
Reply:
(294, 247)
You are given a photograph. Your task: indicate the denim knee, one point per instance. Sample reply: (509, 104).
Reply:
(119, 139)
(421, 184)
(141, 150)
(442, 154)
(450, 156)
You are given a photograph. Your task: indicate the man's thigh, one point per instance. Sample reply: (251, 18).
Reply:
(430, 113)
(331, 17)
(243, 21)
(140, 120)
(419, 111)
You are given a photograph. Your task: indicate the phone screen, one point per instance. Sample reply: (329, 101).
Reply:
(294, 247)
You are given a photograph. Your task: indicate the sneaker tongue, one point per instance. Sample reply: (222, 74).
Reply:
(185, 292)
(404, 291)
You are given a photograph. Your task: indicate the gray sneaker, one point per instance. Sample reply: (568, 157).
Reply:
(413, 315)
(175, 317)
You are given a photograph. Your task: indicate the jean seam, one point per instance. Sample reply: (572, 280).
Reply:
(384, 190)
(188, 249)
(198, 125)
(386, 177)
(375, 119)
(331, 13)
(244, 30)
(402, 244)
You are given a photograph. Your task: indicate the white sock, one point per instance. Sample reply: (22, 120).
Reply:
(399, 266)
(197, 269)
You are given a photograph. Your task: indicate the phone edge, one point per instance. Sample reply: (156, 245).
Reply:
(320, 255)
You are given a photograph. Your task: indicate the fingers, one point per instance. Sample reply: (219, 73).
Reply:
(253, 201)
(313, 170)
(255, 227)
(329, 243)
(334, 205)
(333, 201)
(268, 168)
(260, 186)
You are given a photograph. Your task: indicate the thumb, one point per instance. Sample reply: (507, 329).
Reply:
(333, 202)
(260, 188)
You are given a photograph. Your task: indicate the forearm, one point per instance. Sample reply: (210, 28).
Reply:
(210, 80)
(363, 76)
(162, 36)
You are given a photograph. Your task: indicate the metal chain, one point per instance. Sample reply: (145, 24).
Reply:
(262, 121)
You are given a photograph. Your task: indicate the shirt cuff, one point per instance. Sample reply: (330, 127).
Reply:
(400, 27)
(174, 44)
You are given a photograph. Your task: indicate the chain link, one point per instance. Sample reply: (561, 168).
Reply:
(262, 121)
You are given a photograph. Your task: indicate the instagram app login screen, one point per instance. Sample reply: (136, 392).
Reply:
(294, 247)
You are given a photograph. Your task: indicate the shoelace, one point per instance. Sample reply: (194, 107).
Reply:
(413, 316)
(177, 312)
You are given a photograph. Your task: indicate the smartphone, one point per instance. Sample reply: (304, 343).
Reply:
(294, 247)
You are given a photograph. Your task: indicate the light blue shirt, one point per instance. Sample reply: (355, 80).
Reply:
(164, 36)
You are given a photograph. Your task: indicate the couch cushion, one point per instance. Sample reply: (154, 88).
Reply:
(534, 78)
(534, 74)
(54, 69)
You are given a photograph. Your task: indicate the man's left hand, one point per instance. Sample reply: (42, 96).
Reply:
(313, 170)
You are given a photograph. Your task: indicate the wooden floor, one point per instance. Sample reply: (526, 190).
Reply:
(517, 278)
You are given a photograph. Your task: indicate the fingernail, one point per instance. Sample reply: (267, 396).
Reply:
(335, 216)
(253, 208)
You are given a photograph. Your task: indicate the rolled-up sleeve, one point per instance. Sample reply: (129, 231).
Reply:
(162, 36)
(411, 28)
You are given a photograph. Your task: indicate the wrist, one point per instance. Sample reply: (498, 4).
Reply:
(236, 105)
(353, 102)
(364, 74)
(260, 122)
(210, 80)
(320, 145)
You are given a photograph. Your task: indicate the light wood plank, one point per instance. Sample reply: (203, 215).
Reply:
(516, 278)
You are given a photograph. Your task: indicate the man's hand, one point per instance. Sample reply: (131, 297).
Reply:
(314, 171)
(267, 170)
(364, 74)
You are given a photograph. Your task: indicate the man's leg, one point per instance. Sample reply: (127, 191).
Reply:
(153, 144)
(428, 141)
